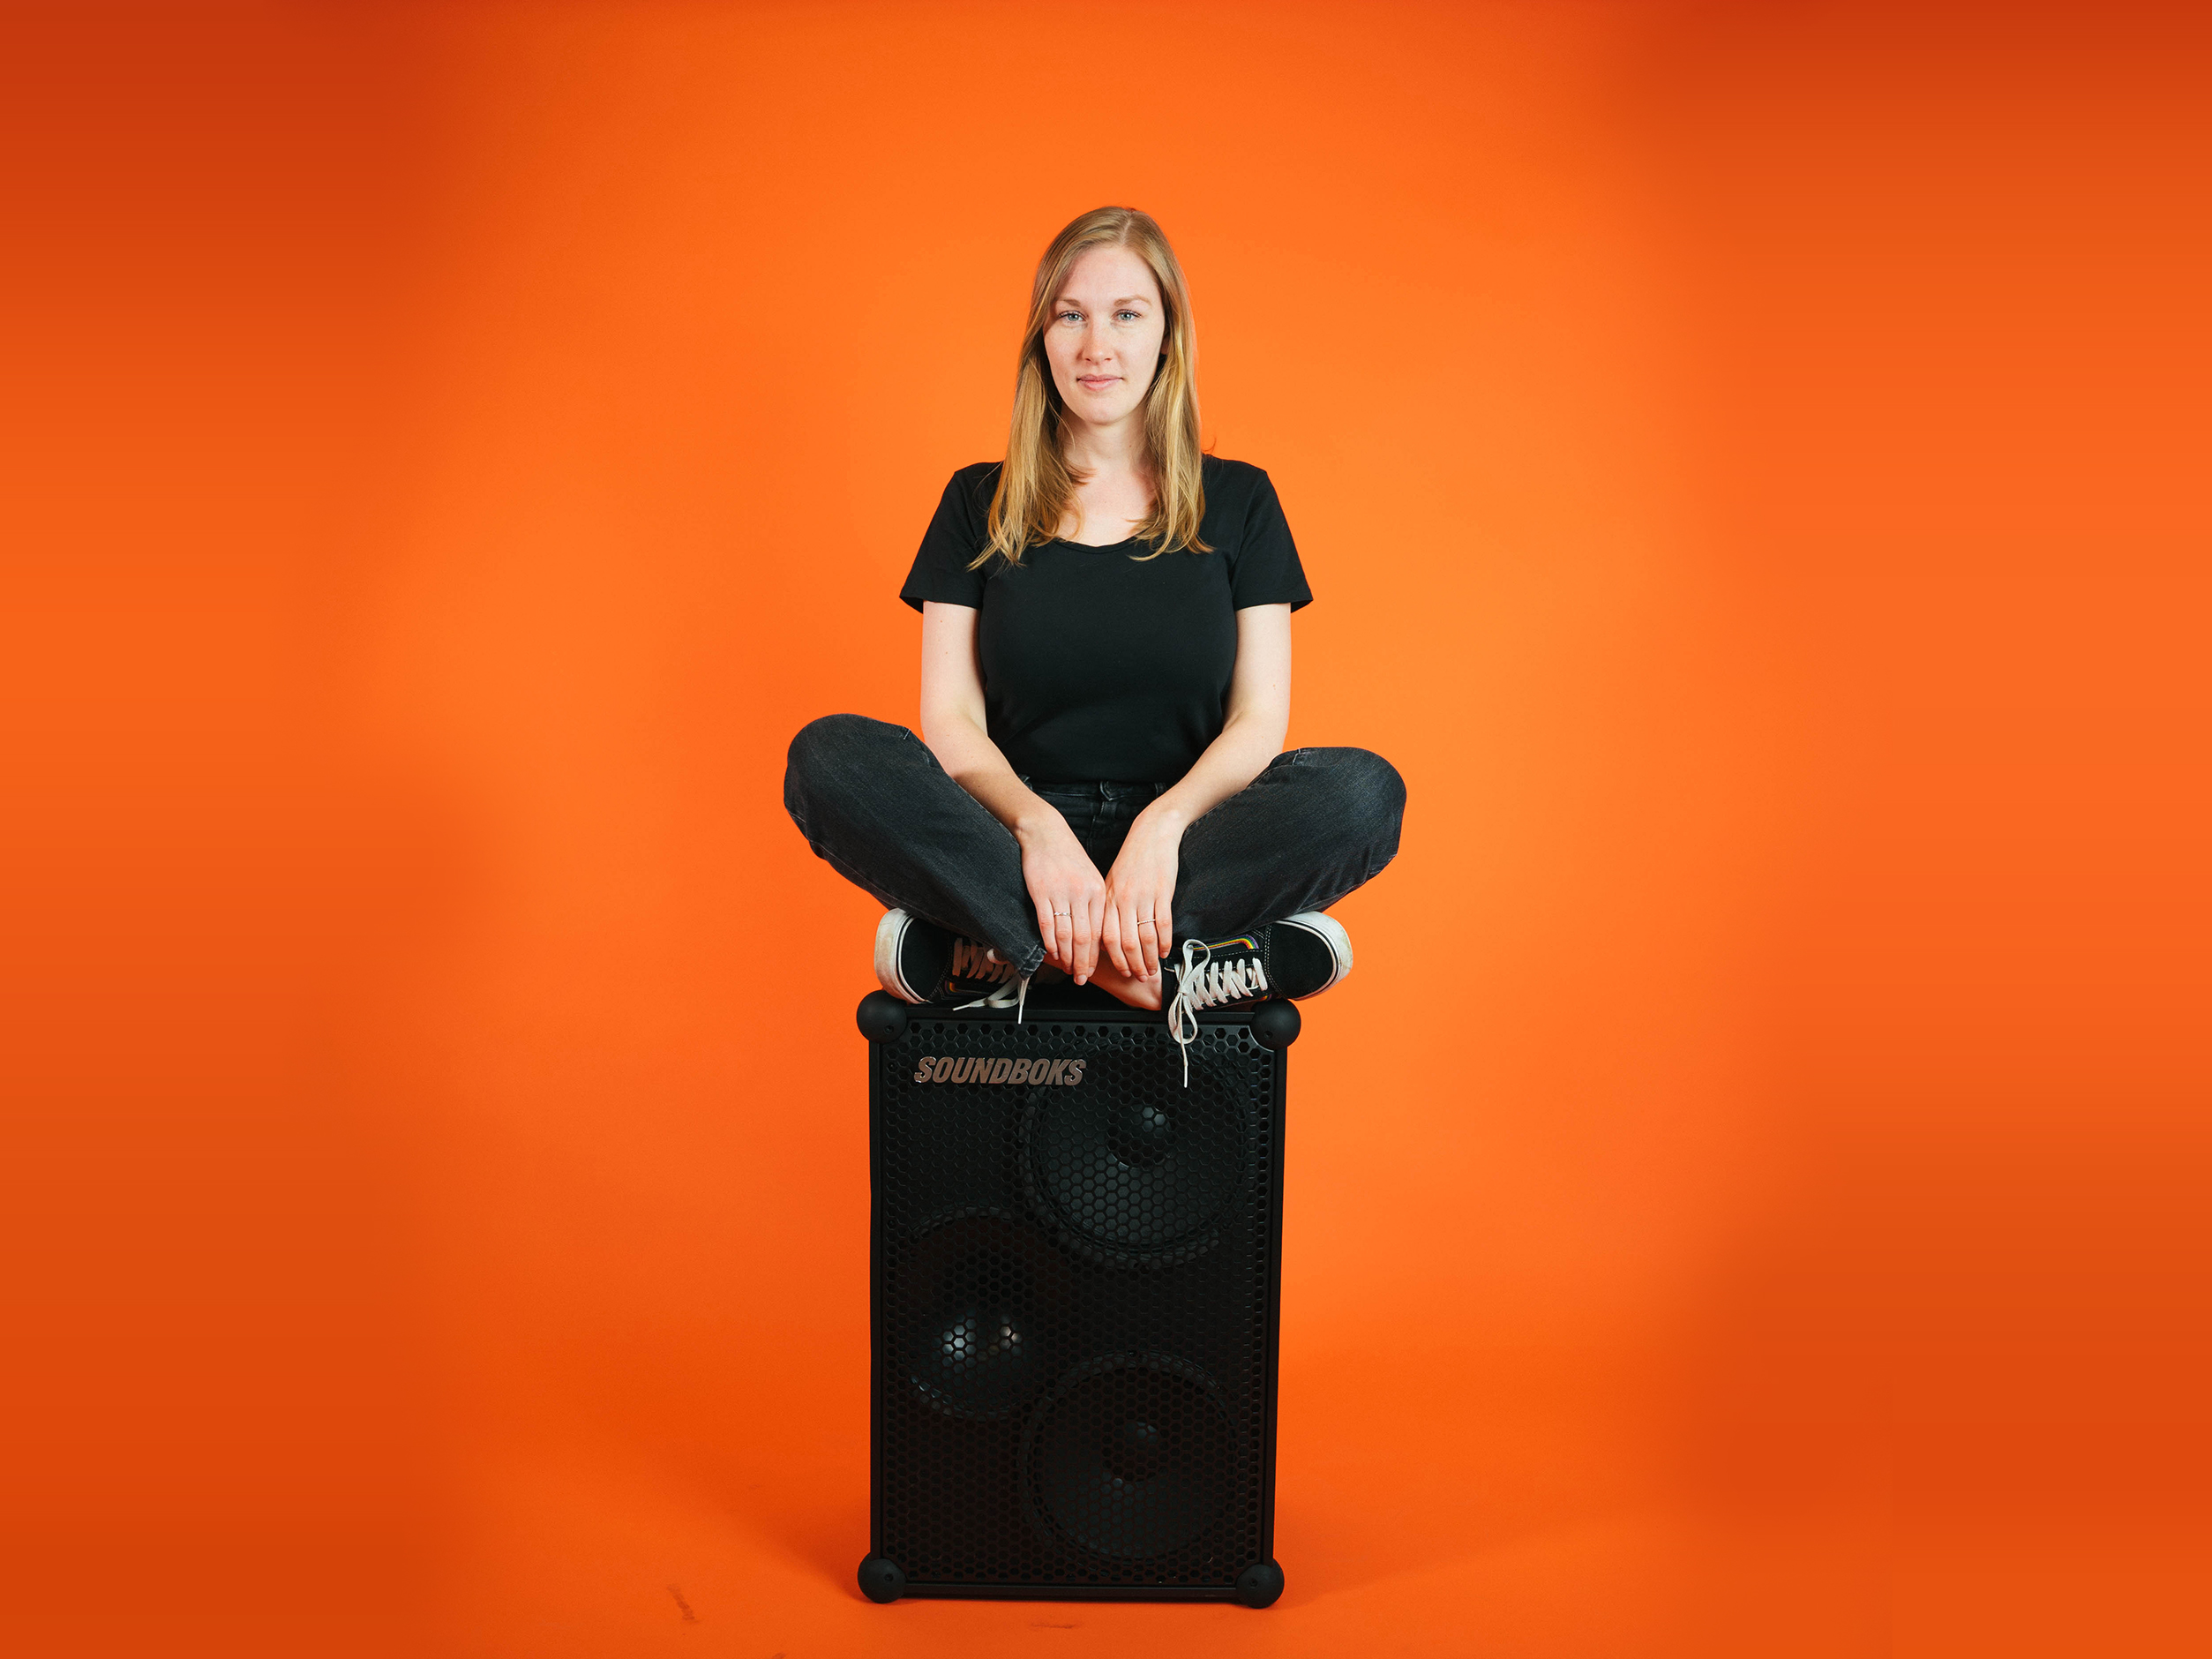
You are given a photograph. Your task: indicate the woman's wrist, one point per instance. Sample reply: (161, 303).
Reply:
(1162, 818)
(1039, 823)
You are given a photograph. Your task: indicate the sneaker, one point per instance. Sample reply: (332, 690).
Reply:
(919, 962)
(1298, 957)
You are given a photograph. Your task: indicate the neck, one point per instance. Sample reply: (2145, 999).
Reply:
(1091, 450)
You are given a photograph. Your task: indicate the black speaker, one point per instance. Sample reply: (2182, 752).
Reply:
(1075, 1263)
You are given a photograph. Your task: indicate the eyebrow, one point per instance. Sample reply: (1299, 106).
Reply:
(1127, 299)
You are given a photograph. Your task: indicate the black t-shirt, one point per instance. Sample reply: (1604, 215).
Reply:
(1099, 663)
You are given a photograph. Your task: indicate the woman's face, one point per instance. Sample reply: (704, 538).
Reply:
(1104, 338)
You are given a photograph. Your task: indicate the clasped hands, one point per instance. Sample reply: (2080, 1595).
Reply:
(1126, 914)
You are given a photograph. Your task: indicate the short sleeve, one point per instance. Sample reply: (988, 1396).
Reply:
(955, 537)
(1266, 570)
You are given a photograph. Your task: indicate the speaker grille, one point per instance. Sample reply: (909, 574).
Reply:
(1075, 1276)
(978, 1294)
(1131, 1457)
(1136, 1170)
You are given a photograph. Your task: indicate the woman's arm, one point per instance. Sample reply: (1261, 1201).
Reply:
(1063, 883)
(1141, 888)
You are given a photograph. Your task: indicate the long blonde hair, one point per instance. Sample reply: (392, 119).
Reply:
(1036, 485)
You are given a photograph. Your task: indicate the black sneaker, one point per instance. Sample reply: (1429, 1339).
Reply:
(920, 962)
(1300, 956)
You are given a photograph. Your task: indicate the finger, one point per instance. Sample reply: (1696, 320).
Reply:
(1122, 921)
(1082, 954)
(1045, 922)
(1148, 933)
(1110, 942)
(1132, 941)
(1132, 944)
(1064, 933)
(1094, 914)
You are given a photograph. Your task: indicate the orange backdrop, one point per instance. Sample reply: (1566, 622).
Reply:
(1745, 1200)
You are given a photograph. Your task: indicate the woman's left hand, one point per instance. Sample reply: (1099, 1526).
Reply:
(1139, 926)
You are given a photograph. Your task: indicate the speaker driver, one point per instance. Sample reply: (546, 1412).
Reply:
(1131, 1167)
(1130, 1456)
(976, 1293)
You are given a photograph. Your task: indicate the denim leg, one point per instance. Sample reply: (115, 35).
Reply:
(872, 799)
(1315, 824)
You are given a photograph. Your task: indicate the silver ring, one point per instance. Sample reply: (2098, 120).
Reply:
(1148, 922)
(1063, 913)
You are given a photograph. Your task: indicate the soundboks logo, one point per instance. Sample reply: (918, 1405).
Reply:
(985, 1069)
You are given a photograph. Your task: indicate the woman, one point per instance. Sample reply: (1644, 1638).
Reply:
(1106, 687)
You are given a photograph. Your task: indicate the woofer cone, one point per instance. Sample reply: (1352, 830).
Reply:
(1131, 1168)
(976, 1298)
(1130, 1456)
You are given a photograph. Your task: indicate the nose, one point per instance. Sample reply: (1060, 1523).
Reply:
(1095, 347)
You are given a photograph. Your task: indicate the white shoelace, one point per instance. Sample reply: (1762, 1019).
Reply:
(1203, 983)
(970, 961)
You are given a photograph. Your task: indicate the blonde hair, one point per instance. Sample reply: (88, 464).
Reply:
(1037, 486)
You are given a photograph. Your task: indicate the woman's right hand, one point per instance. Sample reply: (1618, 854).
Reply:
(1068, 892)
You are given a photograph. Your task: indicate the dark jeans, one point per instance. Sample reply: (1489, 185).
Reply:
(871, 798)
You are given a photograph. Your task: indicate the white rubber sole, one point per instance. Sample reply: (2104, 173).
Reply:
(890, 934)
(1331, 932)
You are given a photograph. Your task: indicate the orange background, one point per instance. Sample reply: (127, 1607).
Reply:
(1748, 1199)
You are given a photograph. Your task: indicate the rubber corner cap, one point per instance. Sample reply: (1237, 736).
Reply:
(881, 1581)
(1275, 1024)
(1259, 1585)
(881, 1017)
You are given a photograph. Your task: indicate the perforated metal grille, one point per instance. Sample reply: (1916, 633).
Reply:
(1074, 1350)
